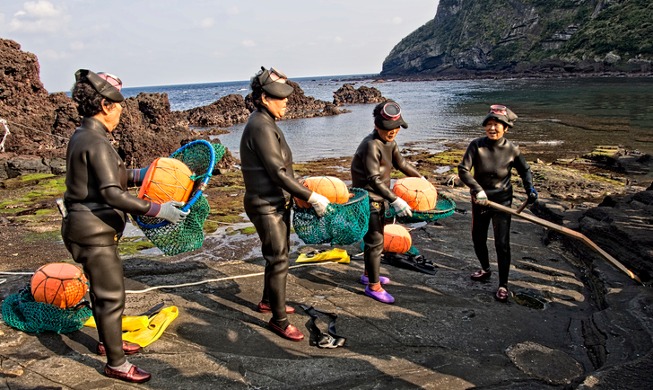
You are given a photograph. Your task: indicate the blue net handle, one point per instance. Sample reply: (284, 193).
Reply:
(199, 188)
(205, 178)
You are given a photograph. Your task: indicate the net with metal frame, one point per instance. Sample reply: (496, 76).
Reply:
(445, 207)
(22, 312)
(172, 239)
(343, 224)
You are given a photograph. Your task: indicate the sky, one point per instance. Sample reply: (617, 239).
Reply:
(165, 42)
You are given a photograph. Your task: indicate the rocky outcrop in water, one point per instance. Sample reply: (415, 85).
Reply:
(347, 94)
(41, 123)
(224, 112)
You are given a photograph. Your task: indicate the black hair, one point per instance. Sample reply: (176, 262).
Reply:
(257, 92)
(377, 109)
(89, 101)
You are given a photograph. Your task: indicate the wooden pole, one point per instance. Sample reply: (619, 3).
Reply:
(566, 231)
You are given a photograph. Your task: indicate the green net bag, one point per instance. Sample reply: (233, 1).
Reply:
(22, 312)
(445, 207)
(343, 224)
(200, 156)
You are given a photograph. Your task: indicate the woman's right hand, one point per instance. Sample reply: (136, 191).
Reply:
(480, 198)
(171, 213)
(401, 208)
(319, 203)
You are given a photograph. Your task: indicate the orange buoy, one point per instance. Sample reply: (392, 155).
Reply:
(419, 193)
(396, 239)
(167, 179)
(331, 187)
(60, 284)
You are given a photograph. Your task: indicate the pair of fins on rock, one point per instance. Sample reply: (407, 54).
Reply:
(147, 328)
(411, 260)
(336, 255)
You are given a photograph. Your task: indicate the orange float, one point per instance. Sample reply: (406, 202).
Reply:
(419, 193)
(396, 239)
(331, 187)
(167, 179)
(60, 284)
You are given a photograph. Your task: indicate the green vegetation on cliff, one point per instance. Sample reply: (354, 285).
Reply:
(491, 36)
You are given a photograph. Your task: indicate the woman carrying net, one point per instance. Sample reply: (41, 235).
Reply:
(96, 203)
(371, 166)
(266, 164)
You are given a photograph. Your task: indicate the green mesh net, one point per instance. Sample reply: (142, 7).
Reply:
(22, 312)
(445, 207)
(200, 156)
(343, 224)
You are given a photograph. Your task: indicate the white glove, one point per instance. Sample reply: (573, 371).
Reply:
(402, 209)
(319, 203)
(171, 213)
(480, 197)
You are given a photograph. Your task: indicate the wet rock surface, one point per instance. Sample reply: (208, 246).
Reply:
(592, 329)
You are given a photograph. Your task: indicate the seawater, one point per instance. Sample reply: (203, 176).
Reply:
(557, 117)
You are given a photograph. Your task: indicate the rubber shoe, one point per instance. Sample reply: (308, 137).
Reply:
(291, 332)
(481, 275)
(265, 308)
(134, 375)
(381, 296)
(127, 347)
(502, 295)
(366, 280)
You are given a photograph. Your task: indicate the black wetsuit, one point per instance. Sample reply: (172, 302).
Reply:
(97, 201)
(492, 162)
(266, 164)
(370, 170)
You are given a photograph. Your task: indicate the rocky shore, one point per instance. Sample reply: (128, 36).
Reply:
(573, 321)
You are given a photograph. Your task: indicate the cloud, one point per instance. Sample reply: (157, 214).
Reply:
(38, 17)
(233, 10)
(54, 55)
(207, 22)
(397, 20)
(77, 45)
(248, 43)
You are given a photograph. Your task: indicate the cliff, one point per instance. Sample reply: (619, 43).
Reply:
(485, 37)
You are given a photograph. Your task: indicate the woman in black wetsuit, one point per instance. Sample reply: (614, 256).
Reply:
(96, 203)
(375, 157)
(492, 158)
(266, 165)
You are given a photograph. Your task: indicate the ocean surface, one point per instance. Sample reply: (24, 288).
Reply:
(558, 118)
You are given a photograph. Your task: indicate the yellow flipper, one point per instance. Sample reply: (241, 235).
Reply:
(129, 323)
(151, 333)
(336, 255)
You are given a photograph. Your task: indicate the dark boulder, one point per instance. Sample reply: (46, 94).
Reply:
(347, 94)
(224, 112)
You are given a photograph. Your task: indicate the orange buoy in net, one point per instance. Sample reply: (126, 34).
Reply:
(331, 187)
(167, 179)
(419, 193)
(396, 239)
(60, 284)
